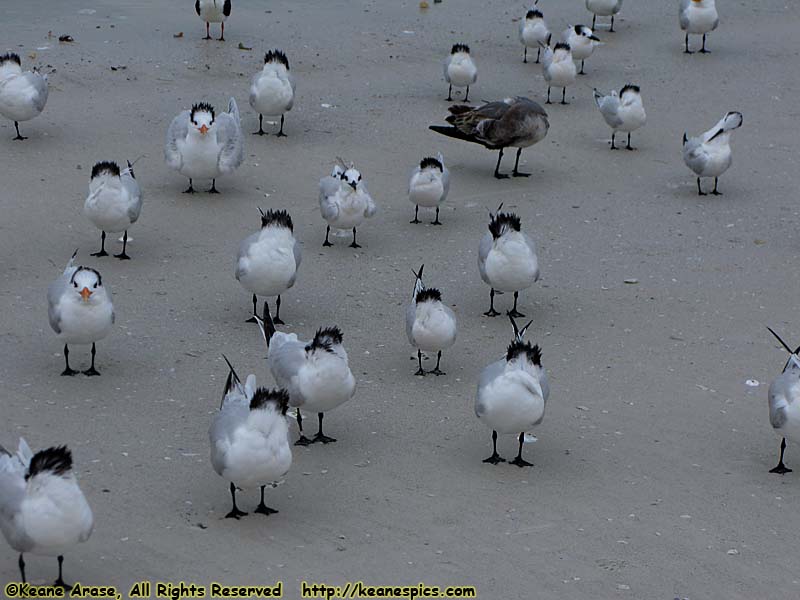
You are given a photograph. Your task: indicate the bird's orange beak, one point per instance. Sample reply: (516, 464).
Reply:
(204, 129)
(85, 293)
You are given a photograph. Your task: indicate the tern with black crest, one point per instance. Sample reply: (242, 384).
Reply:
(459, 70)
(622, 112)
(784, 403)
(42, 508)
(316, 373)
(344, 201)
(698, 17)
(22, 94)
(213, 11)
(268, 260)
(604, 8)
(581, 40)
(533, 32)
(429, 184)
(272, 90)
(511, 123)
(430, 325)
(249, 438)
(507, 259)
(203, 145)
(709, 154)
(559, 69)
(114, 203)
(80, 310)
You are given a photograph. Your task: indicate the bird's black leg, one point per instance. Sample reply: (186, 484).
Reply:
(354, 244)
(320, 437)
(437, 370)
(436, 221)
(91, 371)
(525, 56)
(21, 564)
(222, 32)
(19, 137)
(208, 33)
(612, 24)
(280, 133)
(497, 173)
(581, 72)
(260, 127)
(67, 371)
(302, 440)
(420, 371)
(59, 583)
(190, 189)
(122, 255)
(102, 251)
(516, 172)
(450, 93)
(277, 320)
(518, 460)
(780, 469)
(466, 96)
(514, 312)
(416, 212)
(613, 138)
(235, 512)
(629, 147)
(703, 49)
(715, 191)
(492, 312)
(700, 191)
(262, 508)
(564, 96)
(686, 43)
(495, 457)
(548, 96)
(255, 311)
(538, 54)
(326, 242)
(213, 189)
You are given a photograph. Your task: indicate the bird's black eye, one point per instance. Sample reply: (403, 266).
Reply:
(359, 177)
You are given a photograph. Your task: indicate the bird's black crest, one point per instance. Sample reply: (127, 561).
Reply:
(428, 295)
(263, 396)
(429, 161)
(276, 56)
(533, 14)
(280, 218)
(202, 107)
(325, 339)
(459, 48)
(629, 88)
(503, 221)
(518, 347)
(10, 57)
(56, 460)
(105, 166)
(82, 268)
(561, 46)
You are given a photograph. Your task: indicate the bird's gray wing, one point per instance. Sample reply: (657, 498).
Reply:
(414, 172)
(411, 314)
(445, 182)
(178, 130)
(488, 375)
(292, 83)
(483, 251)
(683, 14)
(229, 135)
(547, 56)
(12, 485)
(54, 293)
(298, 256)
(783, 391)
(609, 108)
(220, 435)
(328, 188)
(39, 83)
(532, 245)
(285, 362)
(695, 155)
(244, 249)
(446, 64)
(134, 194)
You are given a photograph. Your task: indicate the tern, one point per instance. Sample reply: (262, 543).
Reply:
(22, 95)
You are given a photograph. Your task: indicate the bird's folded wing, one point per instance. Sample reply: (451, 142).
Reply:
(229, 136)
(178, 130)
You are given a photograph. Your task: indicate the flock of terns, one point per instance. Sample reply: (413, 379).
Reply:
(42, 509)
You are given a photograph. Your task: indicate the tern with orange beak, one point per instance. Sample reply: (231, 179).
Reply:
(698, 17)
(204, 145)
(80, 310)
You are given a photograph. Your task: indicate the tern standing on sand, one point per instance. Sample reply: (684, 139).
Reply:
(113, 204)
(698, 17)
(428, 187)
(430, 325)
(709, 154)
(459, 70)
(213, 11)
(272, 90)
(22, 95)
(533, 33)
(623, 112)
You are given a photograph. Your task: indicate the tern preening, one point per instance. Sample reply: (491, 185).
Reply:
(604, 8)
(272, 89)
(213, 11)
(581, 40)
(709, 154)
(459, 70)
(507, 259)
(511, 123)
(512, 394)
(784, 403)
(430, 325)
(316, 373)
(268, 260)
(114, 203)
(344, 201)
(698, 17)
(42, 508)
(22, 95)
(622, 112)
(428, 187)
(533, 33)
(559, 69)
(80, 310)
(204, 145)
(249, 438)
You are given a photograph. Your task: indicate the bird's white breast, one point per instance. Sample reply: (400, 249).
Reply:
(461, 70)
(426, 189)
(511, 402)
(200, 156)
(54, 514)
(84, 322)
(434, 328)
(19, 100)
(268, 268)
(325, 382)
(271, 95)
(511, 266)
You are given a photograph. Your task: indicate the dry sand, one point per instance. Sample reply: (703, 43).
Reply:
(651, 470)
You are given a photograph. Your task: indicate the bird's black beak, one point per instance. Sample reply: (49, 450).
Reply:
(352, 184)
(594, 37)
(716, 134)
(685, 139)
